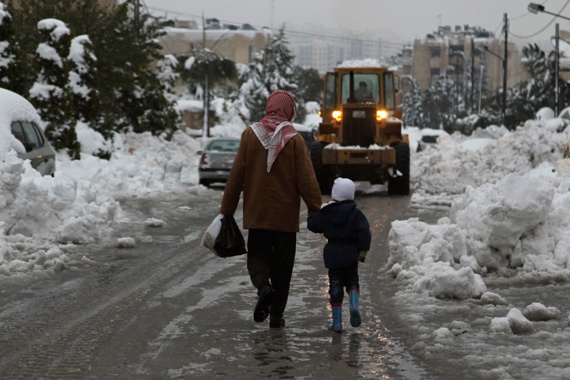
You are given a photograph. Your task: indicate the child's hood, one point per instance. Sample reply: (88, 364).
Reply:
(338, 212)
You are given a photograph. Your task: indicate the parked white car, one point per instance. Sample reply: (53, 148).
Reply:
(428, 138)
(20, 130)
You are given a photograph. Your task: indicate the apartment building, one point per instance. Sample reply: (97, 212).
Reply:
(238, 44)
(465, 54)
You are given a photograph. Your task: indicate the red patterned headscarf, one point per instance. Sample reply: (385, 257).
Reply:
(276, 128)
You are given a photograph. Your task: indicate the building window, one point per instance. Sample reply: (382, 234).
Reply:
(434, 71)
(435, 53)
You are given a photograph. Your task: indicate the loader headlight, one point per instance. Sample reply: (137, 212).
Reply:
(381, 115)
(337, 115)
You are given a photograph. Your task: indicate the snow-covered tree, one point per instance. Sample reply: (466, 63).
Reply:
(167, 75)
(50, 91)
(439, 104)
(412, 107)
(7, 47)
(204, 70)
(82, 80)
(270, 69)
(253, 92)
(538, 91)
(280, 73)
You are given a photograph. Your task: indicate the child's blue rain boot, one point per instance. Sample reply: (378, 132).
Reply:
(354, 313)
(336, 319)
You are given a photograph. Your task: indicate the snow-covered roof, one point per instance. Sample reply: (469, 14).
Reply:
(198, 34)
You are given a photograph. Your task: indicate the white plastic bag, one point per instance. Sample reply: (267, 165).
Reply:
(209, 238)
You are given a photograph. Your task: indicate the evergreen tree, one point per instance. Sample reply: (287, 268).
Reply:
(412, 108)
(253, 92)
(280, 73)
(8, 60)
(439, 104)
(270, 69)
(167, 75)
(538, 91)
(310, 87)
(124, 43)
(83, 80)
(205, 70)
(50, 92)
(310, 84)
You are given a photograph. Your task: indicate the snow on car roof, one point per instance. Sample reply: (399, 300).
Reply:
(433, 132)
(13, 107)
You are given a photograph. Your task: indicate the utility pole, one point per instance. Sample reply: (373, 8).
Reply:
(557, 71)
(505, 56)
(472, 74)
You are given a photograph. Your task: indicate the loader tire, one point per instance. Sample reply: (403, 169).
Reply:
(322, 172)
(400, 185)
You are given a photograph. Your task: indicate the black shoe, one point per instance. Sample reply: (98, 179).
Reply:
(277, 322)
(266, 297)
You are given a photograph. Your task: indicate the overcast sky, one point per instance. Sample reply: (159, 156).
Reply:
(404, 19)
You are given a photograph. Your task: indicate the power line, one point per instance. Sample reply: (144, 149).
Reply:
(545, 27)
(302, 33)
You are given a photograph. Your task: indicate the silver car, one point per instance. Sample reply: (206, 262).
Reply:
(216, 160)
(22, 120)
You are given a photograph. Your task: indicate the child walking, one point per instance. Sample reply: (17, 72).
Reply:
(348, 233)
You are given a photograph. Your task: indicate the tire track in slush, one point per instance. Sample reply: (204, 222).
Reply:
(58, 333)
(57, 326)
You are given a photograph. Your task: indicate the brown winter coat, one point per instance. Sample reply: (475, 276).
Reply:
(271, 201)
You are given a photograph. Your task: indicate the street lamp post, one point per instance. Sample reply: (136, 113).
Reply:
(536, 8)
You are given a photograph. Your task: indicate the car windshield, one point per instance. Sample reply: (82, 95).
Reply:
(429, 139)
(223, 146)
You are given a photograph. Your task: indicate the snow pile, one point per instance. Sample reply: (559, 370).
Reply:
(511, 218)
(44, 220)
(455, 164)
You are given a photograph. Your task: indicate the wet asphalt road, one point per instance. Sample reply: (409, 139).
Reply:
(170, 309)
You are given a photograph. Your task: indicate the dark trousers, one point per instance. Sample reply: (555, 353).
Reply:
(270, 259)
(341, 279)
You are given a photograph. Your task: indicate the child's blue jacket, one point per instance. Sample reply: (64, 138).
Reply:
(346, 229)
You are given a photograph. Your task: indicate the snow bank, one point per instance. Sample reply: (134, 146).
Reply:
(45, 220)
(510, 214)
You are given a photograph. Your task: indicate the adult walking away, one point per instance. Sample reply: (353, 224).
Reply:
(273, 169)
(348, 233)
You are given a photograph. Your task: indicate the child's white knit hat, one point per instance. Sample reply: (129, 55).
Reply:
(343, 189)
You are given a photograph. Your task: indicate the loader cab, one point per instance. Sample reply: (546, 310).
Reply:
(380, 88)
(366, 88)
(366, 94)
(359, 115)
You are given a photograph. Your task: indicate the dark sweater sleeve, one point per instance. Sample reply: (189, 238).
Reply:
(363, 232)
(306, 178)
(234, 184)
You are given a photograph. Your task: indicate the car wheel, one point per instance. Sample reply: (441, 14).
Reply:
(322, 172)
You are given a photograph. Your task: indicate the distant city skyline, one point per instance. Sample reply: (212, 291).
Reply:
(399, 21)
